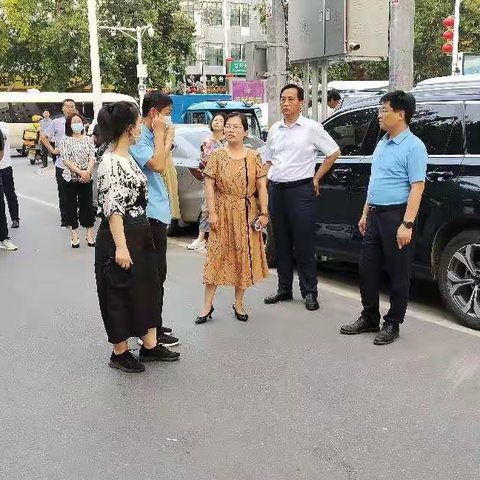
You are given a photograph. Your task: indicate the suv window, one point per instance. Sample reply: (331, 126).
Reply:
(439, 126)
(350, 131)
(473, 128)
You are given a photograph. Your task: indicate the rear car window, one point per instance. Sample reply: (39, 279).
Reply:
(439, 126)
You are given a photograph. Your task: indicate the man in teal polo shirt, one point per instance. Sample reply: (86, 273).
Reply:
(394, 194)
(151, 153)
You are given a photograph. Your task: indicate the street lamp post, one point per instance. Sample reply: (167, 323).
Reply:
(94, 57)
(456, 33)
(141, 68)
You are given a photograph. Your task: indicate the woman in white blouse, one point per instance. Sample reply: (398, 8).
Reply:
(128, 286)
(78, 153)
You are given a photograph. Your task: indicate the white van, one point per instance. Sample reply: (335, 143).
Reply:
(17, 108)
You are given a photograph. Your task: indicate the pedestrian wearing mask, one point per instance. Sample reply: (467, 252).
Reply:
(151, 154)
(125, 257)
(5, 243)
(78, 153)
(394, 195)
(293, 147)
(56, 132)
(8, 181)
(213, 142)
(235, 253)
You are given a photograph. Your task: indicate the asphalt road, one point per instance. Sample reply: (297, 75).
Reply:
(283, 396)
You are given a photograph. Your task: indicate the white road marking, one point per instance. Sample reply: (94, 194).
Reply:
(331, 287)
(37, 200)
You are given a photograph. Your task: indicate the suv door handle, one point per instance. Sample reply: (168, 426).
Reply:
(438, 176)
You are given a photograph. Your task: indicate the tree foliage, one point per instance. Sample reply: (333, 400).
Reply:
(48, 40)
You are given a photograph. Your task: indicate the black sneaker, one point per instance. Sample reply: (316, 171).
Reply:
(126, 362)
(158, 354)
(167, 340)
(165, 330)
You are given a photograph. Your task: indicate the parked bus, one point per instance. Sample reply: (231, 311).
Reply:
(17, 108)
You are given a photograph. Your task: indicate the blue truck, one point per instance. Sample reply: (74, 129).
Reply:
(202, 108)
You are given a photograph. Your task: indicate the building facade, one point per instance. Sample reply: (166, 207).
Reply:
(242, 25)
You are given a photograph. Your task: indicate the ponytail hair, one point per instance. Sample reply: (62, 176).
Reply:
(114, 119)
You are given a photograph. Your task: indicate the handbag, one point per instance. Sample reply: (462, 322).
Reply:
(116, 276)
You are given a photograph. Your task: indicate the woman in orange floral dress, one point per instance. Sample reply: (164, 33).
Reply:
(235, 255)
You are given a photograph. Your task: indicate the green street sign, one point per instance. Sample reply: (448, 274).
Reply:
(238, 68)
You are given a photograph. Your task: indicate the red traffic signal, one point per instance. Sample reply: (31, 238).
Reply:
(449, 22)
(447, 48)
(448, 35)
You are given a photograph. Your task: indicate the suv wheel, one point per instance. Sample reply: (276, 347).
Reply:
(459, 277)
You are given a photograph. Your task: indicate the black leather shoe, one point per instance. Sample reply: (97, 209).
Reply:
(311, 302)
(200, 320)
(362, 325)
(243, 317)
(389, 333)
(278, 297)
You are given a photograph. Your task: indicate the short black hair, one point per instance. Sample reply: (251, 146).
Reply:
(401, 101)
(68, 123)
(115, 119)
(334, 95)
(68, 100)
(298, 88)
(156, 99)
(215, 115)
(242, 117)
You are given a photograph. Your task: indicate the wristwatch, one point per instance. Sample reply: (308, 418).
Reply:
(408, 225)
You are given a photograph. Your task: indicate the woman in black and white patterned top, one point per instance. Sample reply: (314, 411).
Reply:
(78, 154)
(128, 286)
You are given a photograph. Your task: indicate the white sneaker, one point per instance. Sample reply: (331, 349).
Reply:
(197, 244)
(8, 245)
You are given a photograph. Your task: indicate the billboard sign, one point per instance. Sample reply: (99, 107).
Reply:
(252, 91)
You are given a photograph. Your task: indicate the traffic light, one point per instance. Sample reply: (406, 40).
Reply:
(449, 35)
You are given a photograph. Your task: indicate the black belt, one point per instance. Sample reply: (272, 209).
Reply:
(387, 208)
(297, 183)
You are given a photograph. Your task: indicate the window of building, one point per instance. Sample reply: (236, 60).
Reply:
(213, 14)
(188, 7)
(439, 126)
(238, 51)
(214, 54)
(240, 15)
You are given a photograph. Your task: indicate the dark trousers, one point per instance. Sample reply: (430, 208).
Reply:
(380, 250)
(9, 190)
(79, 198)
(45, 155)
(62, 202)
(3, 216)
(292, 215)
(159, 232)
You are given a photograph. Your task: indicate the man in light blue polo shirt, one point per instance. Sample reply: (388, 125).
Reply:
(151, 153)
(394, 194)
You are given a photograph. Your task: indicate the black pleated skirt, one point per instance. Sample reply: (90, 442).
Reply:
(129, 303)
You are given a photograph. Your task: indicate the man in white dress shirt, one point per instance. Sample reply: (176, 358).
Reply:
(292, 152)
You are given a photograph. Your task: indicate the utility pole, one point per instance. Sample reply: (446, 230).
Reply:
(276, 58)
(94, 57)
(456, 39)
(402, 22)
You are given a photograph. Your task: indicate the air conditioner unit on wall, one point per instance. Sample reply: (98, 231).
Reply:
(338, 30)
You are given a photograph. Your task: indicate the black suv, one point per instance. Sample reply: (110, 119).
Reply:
(448, 226)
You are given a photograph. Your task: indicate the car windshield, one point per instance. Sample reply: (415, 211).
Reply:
(195, 138)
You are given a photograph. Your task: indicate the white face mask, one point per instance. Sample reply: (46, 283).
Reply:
(77, 128)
